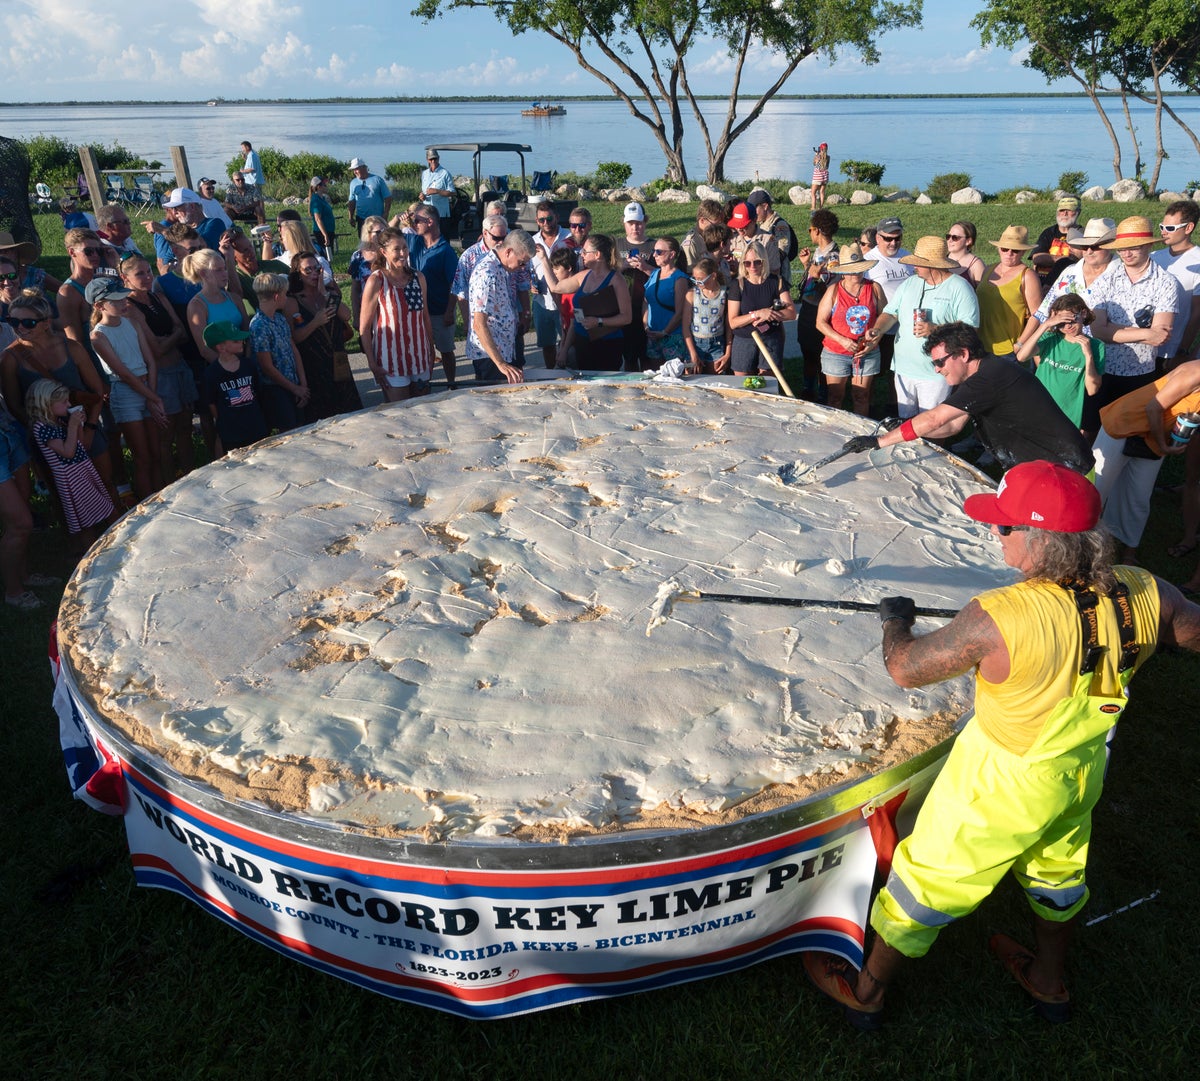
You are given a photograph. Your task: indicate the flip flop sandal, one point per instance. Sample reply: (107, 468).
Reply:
(25, 601)
(1016, 959)
(37, 581)
(1178, 551)
(835, 978)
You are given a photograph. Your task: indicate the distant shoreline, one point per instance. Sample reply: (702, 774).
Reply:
(515, 98)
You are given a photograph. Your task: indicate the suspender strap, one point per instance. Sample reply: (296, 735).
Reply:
(1129, 647)
(1087, 602)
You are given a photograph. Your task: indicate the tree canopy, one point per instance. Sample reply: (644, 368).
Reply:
(639, 49)
(1129, 47)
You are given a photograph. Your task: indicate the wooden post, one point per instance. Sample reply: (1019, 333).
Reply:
(183, 178)
(95, 182)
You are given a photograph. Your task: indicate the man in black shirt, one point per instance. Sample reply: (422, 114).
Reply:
(1052, 252)
(1015, 416)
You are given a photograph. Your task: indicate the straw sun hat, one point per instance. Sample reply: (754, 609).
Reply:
(850, 261)
(1015, 238)
(930, 252)
(1133, 232)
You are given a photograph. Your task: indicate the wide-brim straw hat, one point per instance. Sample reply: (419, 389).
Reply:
(1015, 238)
(25, 251)
(850, 261)
(930, 252)
(1096, 232)
(1133, 232)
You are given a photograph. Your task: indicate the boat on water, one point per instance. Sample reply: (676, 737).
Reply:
(542, 108)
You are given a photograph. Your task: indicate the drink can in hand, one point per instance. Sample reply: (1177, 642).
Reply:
(1184, 428)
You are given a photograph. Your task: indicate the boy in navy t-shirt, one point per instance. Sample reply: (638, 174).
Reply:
(232, 388)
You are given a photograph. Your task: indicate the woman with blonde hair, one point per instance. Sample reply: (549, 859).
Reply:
(757, 302)
(214, 303)
(294, 239)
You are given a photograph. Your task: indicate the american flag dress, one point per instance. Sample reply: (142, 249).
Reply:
(402, 342)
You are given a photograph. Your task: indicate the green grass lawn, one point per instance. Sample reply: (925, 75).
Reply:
(107, 981)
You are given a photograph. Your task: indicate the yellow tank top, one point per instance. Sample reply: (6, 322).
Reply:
(1002, 314)
(1040, 626)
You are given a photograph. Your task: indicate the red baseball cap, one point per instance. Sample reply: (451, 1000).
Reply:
(742, 216)
(1042, 495)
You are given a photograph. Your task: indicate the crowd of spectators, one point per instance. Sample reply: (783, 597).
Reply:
(1094, 313)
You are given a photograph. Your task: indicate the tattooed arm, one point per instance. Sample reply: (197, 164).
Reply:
(969, 639)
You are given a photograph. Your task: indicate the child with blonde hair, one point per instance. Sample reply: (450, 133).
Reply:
(59, 432)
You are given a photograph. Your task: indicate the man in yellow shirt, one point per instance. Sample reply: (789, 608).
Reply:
(1052, 656)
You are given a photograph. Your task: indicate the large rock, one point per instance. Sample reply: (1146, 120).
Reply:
(674, 195)
(1097, 193)
(635, 195)
(923, 200)
(967, 197)
(1170, 196)
(858, 197)
(1128, 191)
(566, 191)
(834, 200)
(1026, 196)
(900, 196)
(798, 195)
(704, 191)
(585, 195)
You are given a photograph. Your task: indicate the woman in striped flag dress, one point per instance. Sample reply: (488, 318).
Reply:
(397, 336)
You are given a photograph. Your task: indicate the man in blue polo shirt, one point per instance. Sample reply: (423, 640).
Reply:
(369, 194)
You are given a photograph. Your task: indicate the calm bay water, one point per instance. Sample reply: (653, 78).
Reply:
(1000, 142)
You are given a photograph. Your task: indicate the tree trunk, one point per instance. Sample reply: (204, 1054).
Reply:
(1138, 164)
(1159, 153)
(1112, 135)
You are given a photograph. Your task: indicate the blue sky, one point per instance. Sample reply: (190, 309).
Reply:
(55, 50)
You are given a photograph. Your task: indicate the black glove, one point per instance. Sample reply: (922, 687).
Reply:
(861, 443)
(898, 608)
(889, 424)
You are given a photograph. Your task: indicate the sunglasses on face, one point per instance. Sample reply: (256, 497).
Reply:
(25, 322)
(11, 276)
(1005, 530)
(955, 236)
(579, 225)
(92, 253)
(752, 262)
(1163, 227)
(543, 221)
(887, 239)
(939, 362)
(663, 251)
